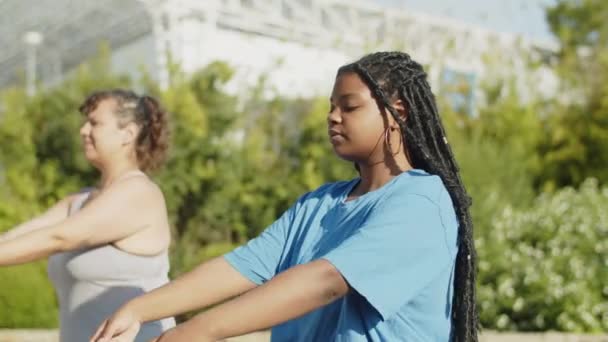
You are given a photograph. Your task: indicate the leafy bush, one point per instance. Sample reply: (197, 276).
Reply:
(546, 267)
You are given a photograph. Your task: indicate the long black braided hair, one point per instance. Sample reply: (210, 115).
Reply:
(394, 75)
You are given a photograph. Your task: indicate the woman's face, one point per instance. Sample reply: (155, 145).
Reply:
(356, 126)
(102, 136)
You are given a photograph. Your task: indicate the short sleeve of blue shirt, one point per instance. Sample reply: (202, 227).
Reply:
(397, 253)
(259, 258)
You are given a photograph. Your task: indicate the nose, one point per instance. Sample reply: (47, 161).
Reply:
(85, 129)
(334, 115)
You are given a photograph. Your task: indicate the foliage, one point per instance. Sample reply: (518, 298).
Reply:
(545, 267)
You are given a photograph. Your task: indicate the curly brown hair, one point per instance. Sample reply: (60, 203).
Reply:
(153, 140)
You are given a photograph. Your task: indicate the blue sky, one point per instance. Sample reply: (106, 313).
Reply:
(525, 17)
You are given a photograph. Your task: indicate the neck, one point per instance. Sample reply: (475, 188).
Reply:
(113, 172)
(375, 175)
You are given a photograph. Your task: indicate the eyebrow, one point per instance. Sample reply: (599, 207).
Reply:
(345, 96)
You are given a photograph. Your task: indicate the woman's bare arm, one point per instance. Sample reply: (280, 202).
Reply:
(53, 215)
(115, 214)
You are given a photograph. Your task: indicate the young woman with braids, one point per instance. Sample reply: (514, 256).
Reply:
(387, 256)
(108, 244)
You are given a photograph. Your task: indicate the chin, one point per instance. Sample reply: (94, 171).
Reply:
(91, 157)
(340, 152)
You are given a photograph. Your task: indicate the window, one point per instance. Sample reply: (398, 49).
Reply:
(457, 88)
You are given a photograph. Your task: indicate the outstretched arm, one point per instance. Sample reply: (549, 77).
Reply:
(114, 215)
(55, 214)
(211, 282)
(289, 295)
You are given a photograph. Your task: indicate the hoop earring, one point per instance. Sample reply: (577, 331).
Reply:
(387, 140)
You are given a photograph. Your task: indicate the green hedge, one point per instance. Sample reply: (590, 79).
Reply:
(546, 267)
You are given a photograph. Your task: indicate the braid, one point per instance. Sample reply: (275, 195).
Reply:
(392, 75)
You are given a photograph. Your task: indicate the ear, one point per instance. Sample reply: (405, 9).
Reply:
(399, 106)
(130, 132)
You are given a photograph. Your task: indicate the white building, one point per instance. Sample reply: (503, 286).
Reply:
(298, 43)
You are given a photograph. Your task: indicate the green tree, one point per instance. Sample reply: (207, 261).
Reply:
(577, 144)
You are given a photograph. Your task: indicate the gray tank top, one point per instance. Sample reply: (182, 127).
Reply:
(93, 283)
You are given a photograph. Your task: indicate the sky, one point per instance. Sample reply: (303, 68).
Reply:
(526, 17)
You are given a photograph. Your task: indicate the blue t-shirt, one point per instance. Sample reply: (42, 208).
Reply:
(395, 246)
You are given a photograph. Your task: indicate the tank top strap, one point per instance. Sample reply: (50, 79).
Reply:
(84, 194)
(78, 202)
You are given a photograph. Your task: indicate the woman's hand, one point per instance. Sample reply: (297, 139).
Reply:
(122, 326)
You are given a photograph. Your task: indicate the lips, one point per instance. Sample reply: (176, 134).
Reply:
(335, 136)
(333, 133)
